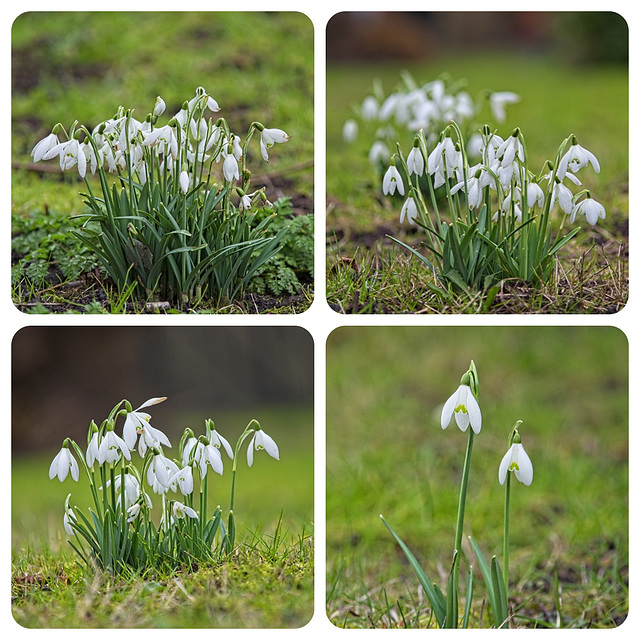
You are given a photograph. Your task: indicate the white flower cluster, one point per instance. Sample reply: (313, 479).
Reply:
(163, 474)
(428, 107)
(189, 140)
(502, 170)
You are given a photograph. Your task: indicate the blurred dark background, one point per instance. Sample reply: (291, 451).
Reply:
(63, 377)
(575, 36)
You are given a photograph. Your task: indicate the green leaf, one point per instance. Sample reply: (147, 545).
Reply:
(435, 599)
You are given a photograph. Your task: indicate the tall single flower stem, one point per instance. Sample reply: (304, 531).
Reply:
(463, 492)
(505, 552)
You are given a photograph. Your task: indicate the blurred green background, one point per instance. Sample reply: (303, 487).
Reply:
(570, 69)
(386, 453)
(64, 377)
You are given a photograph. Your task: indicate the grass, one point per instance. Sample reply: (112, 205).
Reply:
(257, 588)
(556, 101)
(387, 455)
(266, 583)
(82, 65)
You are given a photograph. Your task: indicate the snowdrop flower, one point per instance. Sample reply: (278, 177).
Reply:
(208, 454)
(369, 108)
(409, 211)
(111, 447)
(45, 145)
(217, 441)
(183, 480)
(350, 130)
(379, 152)
(261, 441)
(392, 180)
(63, 463)
(576, 158)
(211, 104)
(511, 149)
(564, 197)
(181, 511)
(185, 180)
(160, 472)
(159, 106)
(70, 155)
(535, 195)
(68, 518)
(472, 187)
(590, 209)
(133, 511)
(268, 138)
(230, 168)
(462, 405)
(138, 421)
(516, 460)
(245, 203)
(166, 135)
(444, 157)
(92, 448)
(498, 100)
(415, 162)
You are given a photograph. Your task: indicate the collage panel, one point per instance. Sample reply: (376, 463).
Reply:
(162, 162)
(162, 477)
(477, 162)
(507, 444)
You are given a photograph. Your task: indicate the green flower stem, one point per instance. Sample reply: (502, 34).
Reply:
(463, 491)
(505, 553)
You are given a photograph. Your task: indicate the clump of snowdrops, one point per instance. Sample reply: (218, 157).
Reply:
(492, 219)
(463, 408)
(174, 215)
(151, 510)
(412, 107)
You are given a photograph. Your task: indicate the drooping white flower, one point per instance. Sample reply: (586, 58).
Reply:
(159, 106)
(182, 481)
(409, 211)
(42, 147)
(462, 405)
(415, 162)
(63, 463)
(181, 511)
(350, 130)
(591, 209)
(563, 195)
(67, 520)
(498, 100)
(185, 181)
(208, 454)
(260, 441)
(268, 138)
(111, 446)
(217, 441)
(576, 158)
(535, 195)
(70, 154)
(92, 450)
(161, 470)
(379, 152)
(230, 168)
(136, 421)
(369, 108)
(391, 181)
(511, 150)
(516, 460)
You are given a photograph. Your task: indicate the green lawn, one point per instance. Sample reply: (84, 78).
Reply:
(388, 455)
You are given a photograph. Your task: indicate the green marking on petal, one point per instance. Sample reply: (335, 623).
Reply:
(514, 467)
(460, 409)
